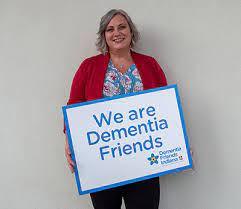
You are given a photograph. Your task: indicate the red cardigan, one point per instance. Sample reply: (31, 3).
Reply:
(89, 79)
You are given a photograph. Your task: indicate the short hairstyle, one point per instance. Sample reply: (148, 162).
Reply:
(101, 43)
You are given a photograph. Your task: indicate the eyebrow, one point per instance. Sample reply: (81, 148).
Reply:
(118, 25)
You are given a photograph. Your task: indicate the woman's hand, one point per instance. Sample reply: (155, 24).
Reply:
(193, 164)
(71, 163)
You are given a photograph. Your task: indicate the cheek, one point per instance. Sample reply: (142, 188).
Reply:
(107, 37)
(108, 40)
(128, 34)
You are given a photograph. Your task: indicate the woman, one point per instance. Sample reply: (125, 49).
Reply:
(118, 70)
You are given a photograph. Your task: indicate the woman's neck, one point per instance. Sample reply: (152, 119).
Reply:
(121, 60)
(120, 55)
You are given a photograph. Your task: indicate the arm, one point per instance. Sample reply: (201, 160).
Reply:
(71, 163)
(161, 76)
(77, 92)
(163, 82)
(77, 95)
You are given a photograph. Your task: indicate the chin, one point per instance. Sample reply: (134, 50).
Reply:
(120, 47)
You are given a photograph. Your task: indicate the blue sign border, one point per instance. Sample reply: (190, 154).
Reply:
(81, 192)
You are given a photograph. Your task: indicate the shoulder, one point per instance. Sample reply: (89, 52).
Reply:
(150, 66)
(143, 58)
(94, 59)
(90, 63)
(146, 61)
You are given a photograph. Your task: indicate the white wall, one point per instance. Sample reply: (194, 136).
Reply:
(42, 43)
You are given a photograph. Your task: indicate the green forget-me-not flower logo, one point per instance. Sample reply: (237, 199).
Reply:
(153, 159)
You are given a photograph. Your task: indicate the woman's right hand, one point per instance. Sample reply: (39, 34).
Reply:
(70, 162)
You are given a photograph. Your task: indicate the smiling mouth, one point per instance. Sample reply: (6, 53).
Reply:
(118, 40)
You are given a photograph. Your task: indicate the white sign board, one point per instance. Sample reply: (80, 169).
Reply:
(128, 138)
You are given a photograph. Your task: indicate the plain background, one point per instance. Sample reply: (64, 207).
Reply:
(42, 43)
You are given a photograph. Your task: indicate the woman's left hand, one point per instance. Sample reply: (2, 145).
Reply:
(193, 164)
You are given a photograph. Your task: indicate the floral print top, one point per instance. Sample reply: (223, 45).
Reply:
(116, 83)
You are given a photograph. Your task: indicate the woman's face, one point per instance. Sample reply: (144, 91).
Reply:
(117, 34)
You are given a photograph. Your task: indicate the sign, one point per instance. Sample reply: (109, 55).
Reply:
(124, 139)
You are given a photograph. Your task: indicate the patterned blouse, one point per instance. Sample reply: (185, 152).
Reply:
(116, 83)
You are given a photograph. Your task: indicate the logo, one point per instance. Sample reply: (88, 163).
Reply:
(153, 159)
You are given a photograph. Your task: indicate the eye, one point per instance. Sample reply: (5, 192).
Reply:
(109, 29)
(122, 27)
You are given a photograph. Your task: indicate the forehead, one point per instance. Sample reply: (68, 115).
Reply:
(117, 20)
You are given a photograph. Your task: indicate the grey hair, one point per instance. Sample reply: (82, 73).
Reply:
(101, 43)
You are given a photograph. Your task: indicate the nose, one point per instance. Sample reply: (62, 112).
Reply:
(116, 32)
